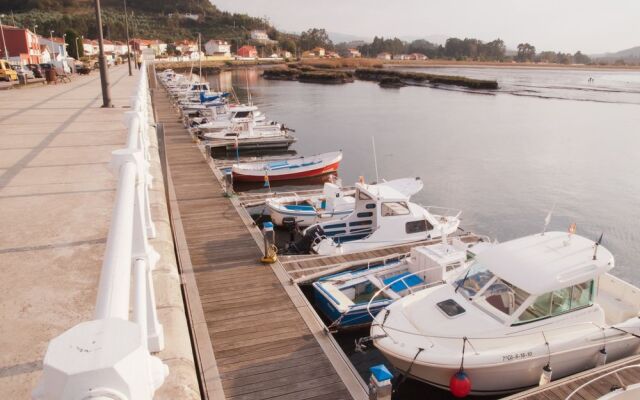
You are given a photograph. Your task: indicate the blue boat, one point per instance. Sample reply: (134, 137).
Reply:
(350, 299)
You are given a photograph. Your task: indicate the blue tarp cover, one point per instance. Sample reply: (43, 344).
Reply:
(399, 286)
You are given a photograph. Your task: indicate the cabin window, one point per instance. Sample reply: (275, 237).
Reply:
(559, 302)
(505, 296)
(370, 206)
(392, 209)
(363, 196)
(367, 214)
(242, 114)
(416, 226)
(474, 280)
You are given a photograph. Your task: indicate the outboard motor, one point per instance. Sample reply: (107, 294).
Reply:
(291, 225)
(304, 244)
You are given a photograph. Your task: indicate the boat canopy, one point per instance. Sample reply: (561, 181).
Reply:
(395, 190)
(541, 264)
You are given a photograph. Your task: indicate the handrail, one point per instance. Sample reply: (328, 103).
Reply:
(87, 360)
(597, 378)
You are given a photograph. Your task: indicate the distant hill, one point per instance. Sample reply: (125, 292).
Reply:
(153, 19)
(631, 55)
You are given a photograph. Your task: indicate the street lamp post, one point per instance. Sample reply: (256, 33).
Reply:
(53, 52)
(6, 54)
(64, 45)
(126, 24)
(104, 78)
(78, 47)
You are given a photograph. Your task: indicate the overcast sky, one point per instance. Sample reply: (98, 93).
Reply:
(593, 26)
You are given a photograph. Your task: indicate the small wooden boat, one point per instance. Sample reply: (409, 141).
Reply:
(296, 168)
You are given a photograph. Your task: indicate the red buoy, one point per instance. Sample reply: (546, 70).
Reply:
(460, 384)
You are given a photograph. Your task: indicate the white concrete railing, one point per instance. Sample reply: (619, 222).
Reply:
(110, 356)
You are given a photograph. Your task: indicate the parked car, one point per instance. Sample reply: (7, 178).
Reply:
(23, 72)
(37, 71)
(6, 72)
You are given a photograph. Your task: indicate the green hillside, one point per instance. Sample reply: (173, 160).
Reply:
(152, 19)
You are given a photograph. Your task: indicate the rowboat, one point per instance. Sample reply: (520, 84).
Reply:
(296, 168)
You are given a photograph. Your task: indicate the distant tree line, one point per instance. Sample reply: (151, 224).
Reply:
(454, 48)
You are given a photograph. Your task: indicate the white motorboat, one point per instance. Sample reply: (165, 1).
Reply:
(383, 216)
(527, 310)
(234, 115)
(247, 131)
(344, 297)
(334, 202)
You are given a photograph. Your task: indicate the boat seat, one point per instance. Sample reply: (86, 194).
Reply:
(299, 207)
(400, 285)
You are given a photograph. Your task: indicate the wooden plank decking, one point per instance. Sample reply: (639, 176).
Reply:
(562, 388)
(303, 265)
(262, 346)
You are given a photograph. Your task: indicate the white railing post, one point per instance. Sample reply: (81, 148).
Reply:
(109, 357)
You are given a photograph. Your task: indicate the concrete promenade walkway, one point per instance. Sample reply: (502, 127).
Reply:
(56, 199)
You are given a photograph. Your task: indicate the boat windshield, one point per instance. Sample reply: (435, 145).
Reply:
(475, 279)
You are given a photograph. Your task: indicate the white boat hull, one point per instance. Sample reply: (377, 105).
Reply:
(507, 377)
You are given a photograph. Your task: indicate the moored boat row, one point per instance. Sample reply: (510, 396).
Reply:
(474, 317)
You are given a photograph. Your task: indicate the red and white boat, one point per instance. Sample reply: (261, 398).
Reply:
(295, 168)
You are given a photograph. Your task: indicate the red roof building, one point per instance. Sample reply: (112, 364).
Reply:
(248, 51)
(22, 45)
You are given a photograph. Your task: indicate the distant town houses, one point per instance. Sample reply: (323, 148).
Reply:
(186, 46)
(21, 45)
(384, 56)
(218, 48)
(353, 53)
(248, 51)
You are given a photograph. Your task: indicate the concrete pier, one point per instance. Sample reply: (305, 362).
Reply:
(56, 199)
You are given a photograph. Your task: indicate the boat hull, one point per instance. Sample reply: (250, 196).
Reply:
(513, 376)
(275, 176)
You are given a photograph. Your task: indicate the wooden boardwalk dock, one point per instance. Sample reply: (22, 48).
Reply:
(562, 388)
(256, 337)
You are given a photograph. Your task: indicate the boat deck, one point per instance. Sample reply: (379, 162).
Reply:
(256, 336)
(303, 268)
(224, 145)
(561, 389)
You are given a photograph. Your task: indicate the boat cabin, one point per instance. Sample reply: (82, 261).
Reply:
(535, 278)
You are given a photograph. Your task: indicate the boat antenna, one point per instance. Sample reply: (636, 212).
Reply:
(246, 75)
(547, 219)
(200, 55)
(375, 158)
(595, 247)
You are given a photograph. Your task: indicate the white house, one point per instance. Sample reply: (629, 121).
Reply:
(258, 34)
(401, 57)
(384, 56)
(108, 46)
(158, 46)
(90, 47)
(120, 48)
(58, 47)
(217, 48)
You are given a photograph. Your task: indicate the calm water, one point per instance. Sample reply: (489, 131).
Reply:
(546, 137)
(504, 159)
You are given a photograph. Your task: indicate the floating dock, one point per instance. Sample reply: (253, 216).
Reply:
(256, 335)
(601, 379)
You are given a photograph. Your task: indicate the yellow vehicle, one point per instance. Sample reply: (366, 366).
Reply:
(6, 72)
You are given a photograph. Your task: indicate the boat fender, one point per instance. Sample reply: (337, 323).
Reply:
(602, 357)
(545, 376)
(460, 384)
